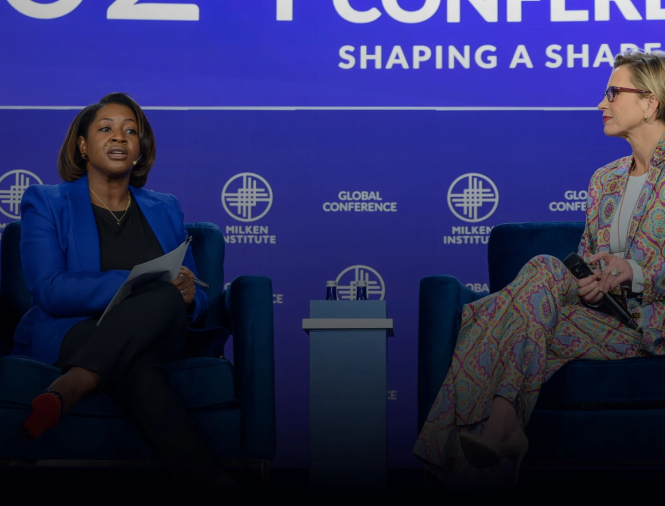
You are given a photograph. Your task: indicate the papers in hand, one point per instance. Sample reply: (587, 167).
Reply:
(164, 268)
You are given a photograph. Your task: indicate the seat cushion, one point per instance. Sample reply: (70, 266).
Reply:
(613, 384)
(202, 382)
(601, 438)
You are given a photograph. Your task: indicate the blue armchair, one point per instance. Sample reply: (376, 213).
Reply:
(590, 413)
(233, 403)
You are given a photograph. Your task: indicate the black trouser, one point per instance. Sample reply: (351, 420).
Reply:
(128, 350)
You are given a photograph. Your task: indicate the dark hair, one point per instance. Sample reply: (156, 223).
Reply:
(72, 166)
(647, 72)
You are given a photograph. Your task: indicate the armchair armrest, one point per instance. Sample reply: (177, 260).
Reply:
(440, 304)
(248, 308)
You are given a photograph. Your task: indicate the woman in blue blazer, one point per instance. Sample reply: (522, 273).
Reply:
(79, 241)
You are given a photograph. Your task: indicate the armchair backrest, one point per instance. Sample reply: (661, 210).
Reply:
(207, 248)
(14, 295)
(512, 245)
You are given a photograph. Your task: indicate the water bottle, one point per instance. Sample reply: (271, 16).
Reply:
(331, 290)
(361, 290)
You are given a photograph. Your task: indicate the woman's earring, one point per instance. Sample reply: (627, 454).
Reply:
(646, 118)
(83, 155)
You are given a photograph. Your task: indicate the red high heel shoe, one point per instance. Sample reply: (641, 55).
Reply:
(46, 411)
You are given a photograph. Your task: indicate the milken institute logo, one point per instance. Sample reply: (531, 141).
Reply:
(470, 193)
(247, 197)
(347, 279)
(472, 198)
(12, 187)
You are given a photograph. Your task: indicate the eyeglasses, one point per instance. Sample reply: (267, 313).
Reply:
(612, 92)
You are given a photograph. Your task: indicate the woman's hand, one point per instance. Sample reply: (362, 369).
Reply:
(185, 284)
(589, 288)
(609, 281)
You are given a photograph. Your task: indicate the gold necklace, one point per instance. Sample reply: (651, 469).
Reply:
(129, 201)
(625, 252)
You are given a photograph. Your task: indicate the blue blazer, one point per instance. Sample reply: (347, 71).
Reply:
(60, 256)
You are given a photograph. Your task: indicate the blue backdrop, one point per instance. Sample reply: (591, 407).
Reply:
(435, 53)
(306, 196)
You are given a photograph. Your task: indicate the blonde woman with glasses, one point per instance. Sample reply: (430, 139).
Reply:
(514, 340)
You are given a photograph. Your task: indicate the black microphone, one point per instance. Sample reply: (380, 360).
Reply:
(580, 270)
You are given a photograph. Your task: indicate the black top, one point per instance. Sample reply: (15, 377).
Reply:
(131, 243)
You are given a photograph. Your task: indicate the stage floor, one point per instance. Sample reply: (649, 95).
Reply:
(118, 483)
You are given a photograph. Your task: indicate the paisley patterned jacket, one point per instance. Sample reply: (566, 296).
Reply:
(646, 238)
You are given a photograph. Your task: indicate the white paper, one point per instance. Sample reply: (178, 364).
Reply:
(164, 268)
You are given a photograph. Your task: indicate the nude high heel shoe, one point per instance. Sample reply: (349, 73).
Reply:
(484, 451)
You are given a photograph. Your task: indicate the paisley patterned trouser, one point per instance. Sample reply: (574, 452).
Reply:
(509, 344)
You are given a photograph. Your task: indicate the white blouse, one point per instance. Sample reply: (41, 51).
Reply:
(635, 184)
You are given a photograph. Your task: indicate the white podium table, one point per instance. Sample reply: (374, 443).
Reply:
(348, 394)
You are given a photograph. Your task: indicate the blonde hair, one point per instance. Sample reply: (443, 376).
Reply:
(647, 71)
